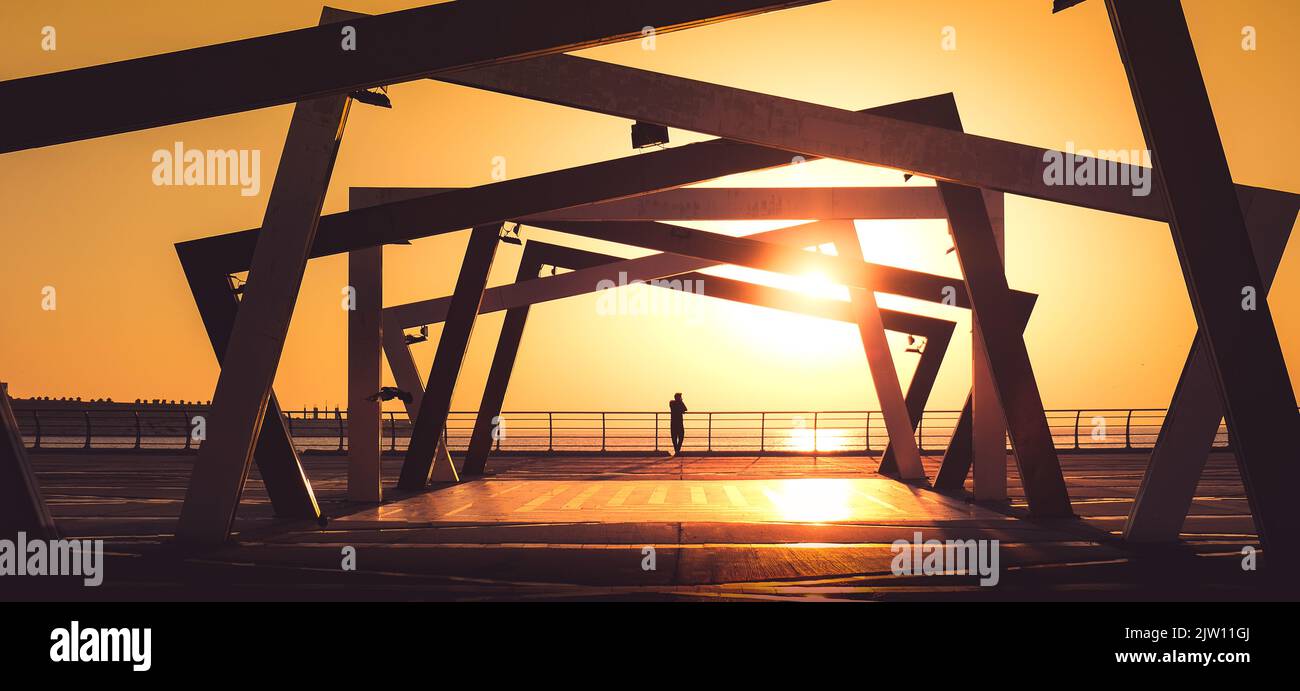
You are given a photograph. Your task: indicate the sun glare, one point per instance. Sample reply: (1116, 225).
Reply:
(801, 439)
(813, 500)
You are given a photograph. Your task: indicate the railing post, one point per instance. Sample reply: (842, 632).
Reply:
(392, 431)
(1077, 415)
(814, 439)
(868, 431)
(86, 415)
(602, 432)
(137, 429)
(188, 429)
(550, 431)
(501, 421)
(710, 436)
(762, 433)
(338, 416)
(656, 431)
(920, 433)
(1128, 430)
(36, 417)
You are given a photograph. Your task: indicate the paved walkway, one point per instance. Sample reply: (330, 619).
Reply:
(579, 527)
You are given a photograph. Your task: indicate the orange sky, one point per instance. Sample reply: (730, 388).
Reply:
(1111, 327)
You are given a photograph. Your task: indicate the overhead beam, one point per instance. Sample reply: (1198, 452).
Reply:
(329, 60)
(768, 256)
(737, 204)
(888, 139)
(434, 214)
(1218, 263)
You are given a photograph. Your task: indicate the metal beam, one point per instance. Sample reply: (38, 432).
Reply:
(22, 507)
(880, 363)
(494, 392)
(257, 339)
(434, 214)
(919, 389)
(736, 203)
(431, 421)
(278, 463)
(746, 251)
(958, 456)
(889, 139)
(312, 63)
(999, 324)
(1218, 262)
(365, 343)
(1192, 421)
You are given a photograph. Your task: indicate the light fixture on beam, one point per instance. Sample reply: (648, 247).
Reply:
(424, 336)
(373, 98)
(510, 236)
(647, 134)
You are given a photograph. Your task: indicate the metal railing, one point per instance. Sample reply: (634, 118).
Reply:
(176, 428)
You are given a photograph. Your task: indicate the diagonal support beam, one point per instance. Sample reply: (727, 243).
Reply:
(278, 463)
(880, 362)
(1165, 495)
(747, 251)
(22, 506)
(998, 328)
(1218, 262)
(957, 458)
(243, 388)
(321, 61)
(431, 420)
(918, 391)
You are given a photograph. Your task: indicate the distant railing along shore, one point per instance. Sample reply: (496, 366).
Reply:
(172, 427)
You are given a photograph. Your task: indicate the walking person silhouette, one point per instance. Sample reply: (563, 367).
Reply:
(677, 409)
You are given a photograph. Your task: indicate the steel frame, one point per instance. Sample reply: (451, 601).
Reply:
(1194, 193)
(536, 254)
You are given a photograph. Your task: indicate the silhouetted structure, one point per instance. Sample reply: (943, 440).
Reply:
(1227, 236)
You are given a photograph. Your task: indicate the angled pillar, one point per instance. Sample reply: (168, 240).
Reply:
(1218, 263)
(503, 363)
(957, 457)
(22, 507)
(919, 389)
(999, 329)
(880, 363)
(278, 463)
(257, 339)
(365, 343)
(1192, 421)
(431, 421)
